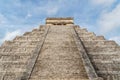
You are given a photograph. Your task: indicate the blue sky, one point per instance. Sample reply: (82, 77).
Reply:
(99, 16)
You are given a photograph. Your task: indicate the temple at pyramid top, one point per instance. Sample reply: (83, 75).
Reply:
(60, 21)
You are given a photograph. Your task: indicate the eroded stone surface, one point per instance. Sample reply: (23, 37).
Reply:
(59, 57)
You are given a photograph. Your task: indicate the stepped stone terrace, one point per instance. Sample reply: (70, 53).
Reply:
(59, 50)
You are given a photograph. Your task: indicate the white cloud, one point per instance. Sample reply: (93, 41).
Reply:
(52, 11)
(11, 35)
(48, 9)
(2, 19)
(102, 2)
(110, 20)
(29, 15)
(116, 38)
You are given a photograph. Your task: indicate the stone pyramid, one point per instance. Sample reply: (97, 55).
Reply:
(59, 50)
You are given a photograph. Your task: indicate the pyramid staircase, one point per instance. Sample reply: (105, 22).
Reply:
(59, 52)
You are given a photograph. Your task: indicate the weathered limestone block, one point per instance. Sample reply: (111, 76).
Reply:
(26, 33)
(100, 38)
(87, 38)
(20, 43)
(77, 27)
(104, 57)
(15, 53)
(14, 57)
(33, 43)
(17, 37)
(7, 49)
(2, 49)
(25, 49)
(17, 49)
(83, 30)
(101, 49)
(7, 43)
(92, 38)
(104, 53)
(30, 46)
(10, 66)
(99, 43)
(42, 28)
(87, 34)
(35, 30)
(110, 42)
(10, 76)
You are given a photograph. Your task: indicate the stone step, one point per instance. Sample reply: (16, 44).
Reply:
(43, 27)
(104, 57)
(108, 65)
(35, 31)
(109, 76)
(8, 43)
(22, 38)
(14, 49)
(15, 54)
(105, 67)
(77, 26)
(10, 75)
(21, 42)
(113, 61)
(59, 61)
(14, 57)
(100, 46)
(100, 38)
(86, 34)
(109, 72)
(27, 34)
(28, 37)
(35, 35)
(81, 30)
(107, 61)
(93, 38)
(10, 66)
(20, 46)
(104, 53)
(28, 40)
(13, 68)
(89, 34)
(101, 49)
(92, 43)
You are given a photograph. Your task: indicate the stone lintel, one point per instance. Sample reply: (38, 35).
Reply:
(60, 18)
(60, 21)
